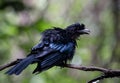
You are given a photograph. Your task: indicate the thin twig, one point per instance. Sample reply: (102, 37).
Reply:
(2, 67)
(85, 68)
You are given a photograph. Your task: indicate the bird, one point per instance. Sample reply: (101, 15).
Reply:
(56, 47)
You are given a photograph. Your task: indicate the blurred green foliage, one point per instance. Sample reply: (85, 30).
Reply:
(21, 27)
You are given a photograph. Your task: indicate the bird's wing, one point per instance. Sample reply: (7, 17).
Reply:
(54, 55)
(38, 46)
(62, 47)
(53, 47)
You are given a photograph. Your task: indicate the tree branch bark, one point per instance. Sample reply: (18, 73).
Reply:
(106, 73)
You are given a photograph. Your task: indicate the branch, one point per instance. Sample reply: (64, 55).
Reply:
(2, 67)
(107, 73)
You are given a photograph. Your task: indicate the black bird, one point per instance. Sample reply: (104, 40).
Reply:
(56, 47)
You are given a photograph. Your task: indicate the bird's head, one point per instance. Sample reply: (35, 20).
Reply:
(77, 29)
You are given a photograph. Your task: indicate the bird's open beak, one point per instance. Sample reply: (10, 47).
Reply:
(85, 31)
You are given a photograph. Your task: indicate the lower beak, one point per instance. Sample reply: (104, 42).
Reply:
(85, 31)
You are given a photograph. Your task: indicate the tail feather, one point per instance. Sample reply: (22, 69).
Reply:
(18, 68)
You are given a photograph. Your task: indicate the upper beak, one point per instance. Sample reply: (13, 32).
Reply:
(85, 31)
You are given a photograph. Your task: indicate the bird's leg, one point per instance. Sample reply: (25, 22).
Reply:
(62, 64)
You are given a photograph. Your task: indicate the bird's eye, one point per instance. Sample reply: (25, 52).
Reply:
(77, 28)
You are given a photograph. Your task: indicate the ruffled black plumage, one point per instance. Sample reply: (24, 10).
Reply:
(56, 48)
